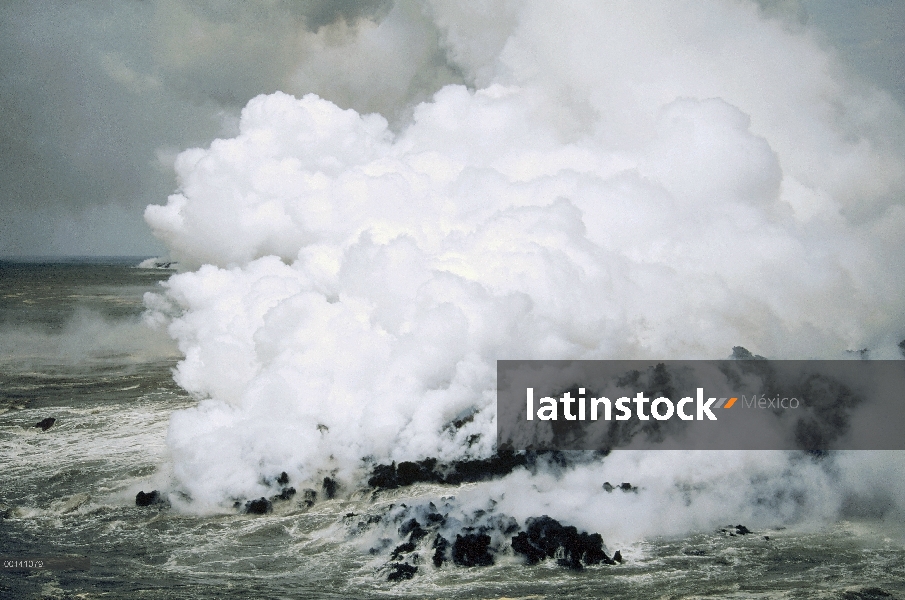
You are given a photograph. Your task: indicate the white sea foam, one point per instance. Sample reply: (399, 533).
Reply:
(624, 180)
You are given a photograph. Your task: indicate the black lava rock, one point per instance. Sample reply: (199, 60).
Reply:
(435, 518)
(310, 497)
(472, 550)
(283, 479)
(46, 424)
(498, 465)
(734, 530)
(261, 506)
(625, 487)
(329, 487)
(402, 549)
(285, 494)
(149, 499)
(441, 545)
(461, 471)
(408, 472)
(401, 571)
(533, 552)
(413, 527)
(547, 538)
(617, 557)
(383, 476)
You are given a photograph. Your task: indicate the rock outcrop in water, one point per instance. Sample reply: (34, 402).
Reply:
(461, 471)
(625, 487)
(151, 498)
(475, 539)
(46, 424)
(261, 506)
(547, 538)
(440, 547)
(733, 530)
(472, 550)
(401, 571)
(329, 486)
(285, 494)
(412, 528)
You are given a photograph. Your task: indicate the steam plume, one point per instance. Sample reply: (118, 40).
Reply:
(623, 180)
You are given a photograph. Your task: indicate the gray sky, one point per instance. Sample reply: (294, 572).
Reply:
(98, 97)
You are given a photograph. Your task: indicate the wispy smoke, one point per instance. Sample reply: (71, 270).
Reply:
(623, 180)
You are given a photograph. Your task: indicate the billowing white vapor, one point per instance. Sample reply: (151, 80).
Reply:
(623, 180)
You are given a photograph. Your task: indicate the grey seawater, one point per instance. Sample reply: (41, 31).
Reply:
(72, 347)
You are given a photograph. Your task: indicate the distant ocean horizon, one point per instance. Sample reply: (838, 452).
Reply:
(76, 258)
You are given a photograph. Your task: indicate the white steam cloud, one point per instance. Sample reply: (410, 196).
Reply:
(624, 180)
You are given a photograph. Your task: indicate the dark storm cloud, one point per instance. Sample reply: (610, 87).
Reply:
(314, 14)
(97, 97)
(81, 118)
(870, 36)
(318, 13)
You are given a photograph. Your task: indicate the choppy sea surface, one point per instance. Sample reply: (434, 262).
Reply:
(73, 348)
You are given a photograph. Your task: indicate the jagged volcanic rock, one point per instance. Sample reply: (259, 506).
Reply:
(329, 487)
(285, 494)
(472, 550)
(261, 506)
(441, 545)
(463, 471)
(148, 499)
(401, 571)
(545, 537)
(46, 424)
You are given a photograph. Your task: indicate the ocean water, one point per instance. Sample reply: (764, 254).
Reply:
(73, 347)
